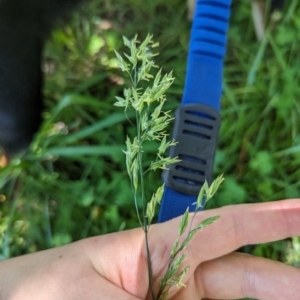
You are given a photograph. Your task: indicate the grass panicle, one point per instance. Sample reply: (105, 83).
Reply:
(151, 122)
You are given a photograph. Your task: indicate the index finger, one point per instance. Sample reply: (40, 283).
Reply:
(238, 225)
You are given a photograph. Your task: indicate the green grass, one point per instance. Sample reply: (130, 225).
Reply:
(72, 182)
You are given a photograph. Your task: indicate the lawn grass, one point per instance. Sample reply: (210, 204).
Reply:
(72, 182)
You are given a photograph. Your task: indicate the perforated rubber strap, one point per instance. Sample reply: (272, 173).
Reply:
(197, 121)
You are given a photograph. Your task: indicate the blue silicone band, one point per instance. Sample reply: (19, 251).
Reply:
(203, 80)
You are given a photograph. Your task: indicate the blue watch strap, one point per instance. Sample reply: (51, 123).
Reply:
(206, 52)
(203, 89)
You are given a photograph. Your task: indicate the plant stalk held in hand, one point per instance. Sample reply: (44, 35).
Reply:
(146, 95)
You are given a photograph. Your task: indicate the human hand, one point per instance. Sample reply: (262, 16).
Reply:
(114, 266)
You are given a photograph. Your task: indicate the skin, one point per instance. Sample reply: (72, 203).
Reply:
(114, 266)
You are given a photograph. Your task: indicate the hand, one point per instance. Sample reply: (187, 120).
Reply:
(114, 266)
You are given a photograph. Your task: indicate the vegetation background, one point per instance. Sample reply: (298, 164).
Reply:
(72, 183)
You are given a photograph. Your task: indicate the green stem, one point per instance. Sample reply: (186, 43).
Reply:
(140, 161)
(136, 205)
(146, 225)
(150, 273)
